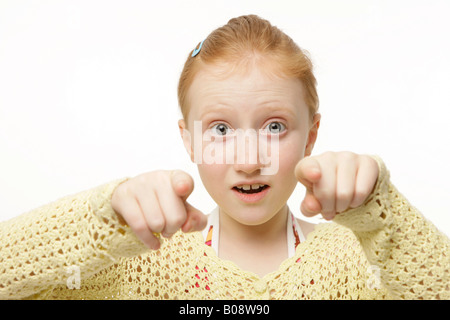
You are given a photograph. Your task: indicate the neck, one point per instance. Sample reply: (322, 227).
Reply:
(268, 232)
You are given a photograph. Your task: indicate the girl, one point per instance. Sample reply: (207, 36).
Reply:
(140, 238)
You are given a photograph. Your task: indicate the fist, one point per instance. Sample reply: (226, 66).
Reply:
(335, 182)
(155, 203)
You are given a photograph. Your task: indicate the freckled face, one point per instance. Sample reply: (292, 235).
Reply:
(250, 101)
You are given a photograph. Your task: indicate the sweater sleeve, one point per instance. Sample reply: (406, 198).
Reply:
(76, 236)
(411, 254)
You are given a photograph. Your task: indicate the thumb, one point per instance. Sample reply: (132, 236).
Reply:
(308, 172)
(196, 220)
(182, 183)
(310, 206)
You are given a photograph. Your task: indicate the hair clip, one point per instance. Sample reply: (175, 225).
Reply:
(197, 50)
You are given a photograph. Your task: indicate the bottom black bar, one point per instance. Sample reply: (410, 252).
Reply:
(219, 309)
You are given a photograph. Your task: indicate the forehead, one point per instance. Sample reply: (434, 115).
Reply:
(217, 85)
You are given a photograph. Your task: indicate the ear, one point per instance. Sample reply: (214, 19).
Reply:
(312, 135)
(186, 137)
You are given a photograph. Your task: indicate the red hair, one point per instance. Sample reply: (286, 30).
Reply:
(245, 39)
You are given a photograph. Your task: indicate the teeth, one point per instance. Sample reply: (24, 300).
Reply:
(248, 187)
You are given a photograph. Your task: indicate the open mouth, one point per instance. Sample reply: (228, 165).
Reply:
(250, 188)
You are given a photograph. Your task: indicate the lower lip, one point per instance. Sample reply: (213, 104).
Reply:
(251, 197)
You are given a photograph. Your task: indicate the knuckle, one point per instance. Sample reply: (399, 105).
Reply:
(344, 194)
(140, 227)
(117, 200)
(156, 224)
(365, 157)
(324, 194)
(157, 176)
(342, 205)
(347, 156)
(329, 154)
(124, 191)
(143, 178)
(361, 195)
(369, 162)
(328, 210)
(175, 222)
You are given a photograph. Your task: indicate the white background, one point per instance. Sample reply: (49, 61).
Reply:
(88, 90)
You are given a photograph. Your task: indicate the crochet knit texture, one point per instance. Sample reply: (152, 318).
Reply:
(75, 248)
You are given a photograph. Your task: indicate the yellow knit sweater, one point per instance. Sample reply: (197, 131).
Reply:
(75, 248)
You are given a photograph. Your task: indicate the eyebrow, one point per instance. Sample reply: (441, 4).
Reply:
(215, 108)
(277, 106)
(270, 106)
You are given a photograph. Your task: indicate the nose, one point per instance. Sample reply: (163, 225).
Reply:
(247, 168)
(247, 158)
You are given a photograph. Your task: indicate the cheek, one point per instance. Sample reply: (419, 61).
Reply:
(291, 151)
(289, 158)
(211, 174)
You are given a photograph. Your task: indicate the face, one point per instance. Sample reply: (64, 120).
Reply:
(271, 107)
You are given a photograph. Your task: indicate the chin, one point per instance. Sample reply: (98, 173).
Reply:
(250, 215)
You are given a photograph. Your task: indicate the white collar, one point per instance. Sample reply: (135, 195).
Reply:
(294, 232)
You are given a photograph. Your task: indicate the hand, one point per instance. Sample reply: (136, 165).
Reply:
(155, 203)
(335, 182)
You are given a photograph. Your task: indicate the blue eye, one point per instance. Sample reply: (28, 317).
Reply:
(275, 127)
(220, 129)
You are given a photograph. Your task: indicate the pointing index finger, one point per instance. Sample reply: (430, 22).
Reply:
(182, 183)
